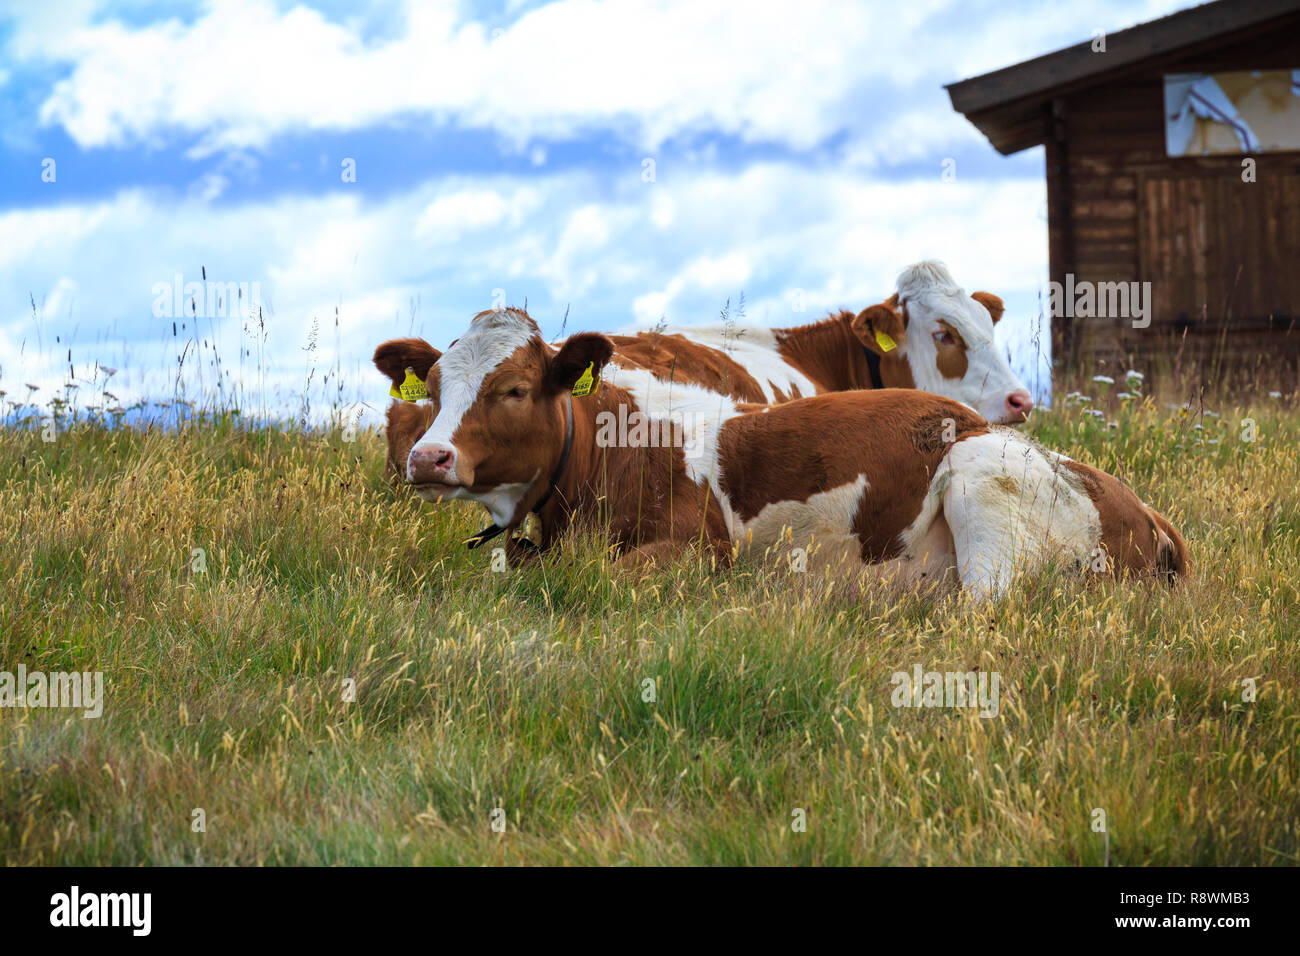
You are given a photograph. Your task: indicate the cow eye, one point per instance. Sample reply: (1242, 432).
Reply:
(944, 338)
(519, 391)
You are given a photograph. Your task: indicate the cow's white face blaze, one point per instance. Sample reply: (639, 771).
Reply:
(493, 338)
(946, 337)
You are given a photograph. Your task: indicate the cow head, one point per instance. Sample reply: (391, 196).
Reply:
(946, 337)
(407, 421)
(498, 416)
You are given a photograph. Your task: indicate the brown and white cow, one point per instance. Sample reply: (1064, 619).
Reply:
(928, 335)
(916, 485)
(671, 358)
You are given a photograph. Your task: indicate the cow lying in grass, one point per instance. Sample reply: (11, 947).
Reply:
(928, 334)
(402, 359)
(917, 486)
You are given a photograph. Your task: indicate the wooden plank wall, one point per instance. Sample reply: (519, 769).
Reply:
(1218, 251)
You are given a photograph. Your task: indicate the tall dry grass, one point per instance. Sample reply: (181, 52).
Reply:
(525, 690)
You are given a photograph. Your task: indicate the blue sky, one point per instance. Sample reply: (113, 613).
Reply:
(500, 150)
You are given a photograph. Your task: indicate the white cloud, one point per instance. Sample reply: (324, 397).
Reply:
(720, 276)
(611, 255)
(246, 70)
(61, 296)
(425, 258)
(472, 208)
(209, 187)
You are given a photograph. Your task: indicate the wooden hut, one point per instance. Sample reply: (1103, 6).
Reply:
(1173, 158)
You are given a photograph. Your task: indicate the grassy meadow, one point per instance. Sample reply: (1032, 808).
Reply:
(225, 669)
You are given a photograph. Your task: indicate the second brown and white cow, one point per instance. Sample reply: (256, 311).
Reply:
(929, 334)
(915, 485)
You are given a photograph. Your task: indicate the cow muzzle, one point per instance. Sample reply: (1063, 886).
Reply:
(434, 463)
(1017, 408)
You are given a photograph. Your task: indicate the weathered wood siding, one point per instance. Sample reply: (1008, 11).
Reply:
(1223, 255)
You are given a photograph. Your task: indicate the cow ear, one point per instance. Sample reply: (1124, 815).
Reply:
(586, 349)
(881, 327)
(990, 302)
(395, 356)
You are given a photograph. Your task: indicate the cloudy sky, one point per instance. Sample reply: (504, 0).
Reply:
(392, 168)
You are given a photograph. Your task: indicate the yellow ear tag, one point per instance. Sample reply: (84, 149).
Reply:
(412, 389)
(885, 342)
(587, 382)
